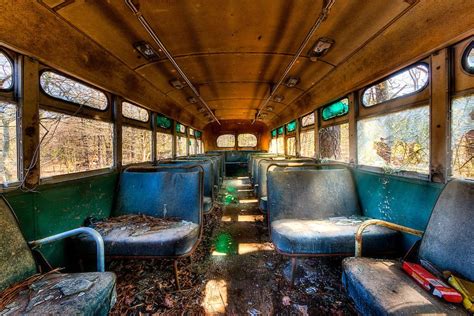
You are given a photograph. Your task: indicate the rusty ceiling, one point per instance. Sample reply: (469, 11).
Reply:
(234, 51)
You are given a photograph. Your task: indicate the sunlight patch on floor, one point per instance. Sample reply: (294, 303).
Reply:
(248, 201)
(245, 248)
(243, 218)
(215, 299)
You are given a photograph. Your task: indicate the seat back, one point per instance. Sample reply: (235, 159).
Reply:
(16, 261)
(263, 169)
(311, 194)
(449, 236)
(161, 192)
(208, 168)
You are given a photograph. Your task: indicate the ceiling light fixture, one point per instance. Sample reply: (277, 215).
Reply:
(321, 48)
(279, 98)
(192, 100)
(292, 81)
(146, 50)
(269, 108)
(177, 84)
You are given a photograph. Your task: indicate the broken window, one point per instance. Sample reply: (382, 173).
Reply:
(247, 140)
(226, 141)
(281, 145)
(6, 72)
(9, 153)
(291, 146)
(71, 144)
(66, 89)
(134, 112)
(397, 141)
(307, 143)
(405, 82)
(308, 120)
(462, 136)
(181, 145)
(338, 108)
(136, 145)
(164, 145)
(334, 142)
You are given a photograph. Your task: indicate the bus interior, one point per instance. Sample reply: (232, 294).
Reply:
(217, 157)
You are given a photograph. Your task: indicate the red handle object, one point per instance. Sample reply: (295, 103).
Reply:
(431, 283)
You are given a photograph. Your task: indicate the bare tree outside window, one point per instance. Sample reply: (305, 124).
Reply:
(308, 120)
(70, 90)
(396, 141)
(334, 142)
(136, 145)
(164, 145)
(192, 146)
(71, 144)
(8, 150)
(406, 82)
(181, 146)
(307, 143)
(134, 112)
(281, 145)
(6, 72)
(291, 146)
(462, 136)
(226, 141)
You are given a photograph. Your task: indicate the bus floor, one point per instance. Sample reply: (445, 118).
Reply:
(234, 271)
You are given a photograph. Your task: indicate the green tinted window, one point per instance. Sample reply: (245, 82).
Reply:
(291, 127)
(274, 133)
(335, 109)
(180, 128)
(198, 134)
(281, 130)
(163, 122)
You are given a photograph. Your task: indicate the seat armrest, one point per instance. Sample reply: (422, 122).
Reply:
(378, 222)
(78, 231)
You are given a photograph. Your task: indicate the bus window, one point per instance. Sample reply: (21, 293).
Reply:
(164, 145)
(462, 136)
(247, 140)
(397, 141)
(291, 146)
(181, 146)
(226, 141)
(307, 143)
(73, 144)
(9, 153)
(134, 112)
(136, 145)
(6, 72)
(334, 142)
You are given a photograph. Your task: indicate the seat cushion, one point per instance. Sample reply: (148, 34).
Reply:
(331, 236)
(381, 287)
(207, 204)
(66, 294)
(173, 238)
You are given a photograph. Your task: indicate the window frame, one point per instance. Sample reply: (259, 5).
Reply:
(11, 57)
(464, 65)
(337, 120)
(302, 128)
(130, 121)
(235, 141)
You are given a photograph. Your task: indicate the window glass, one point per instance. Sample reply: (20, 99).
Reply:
(181, 146)
(200, 147)
(225, 141)
(397, 141)
(307, 143)
(402, 83)
(338, 108)
(334, 142)
(247, 140)
(291, 127)
(74, 144)
(180, 128)
(66, 89)
(308, 120)
(273, 146)
(6, 72)
(192, 146)
(281, 130)
(191, 131)
(9, 153)
(291, 146)
(468, 58)
(198, 134)
(163, 122)
(462, 136)
(281, 145)
(134, 112)
(164, 145)
(136, 145)
(274, 133)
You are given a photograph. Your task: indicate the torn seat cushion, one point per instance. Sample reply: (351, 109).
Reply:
(66, 294)
(335, 235)
(381, 287)
(172, 238)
